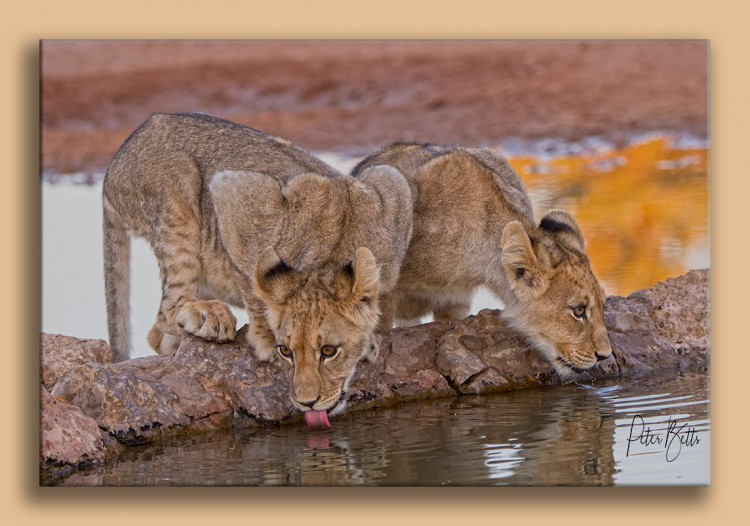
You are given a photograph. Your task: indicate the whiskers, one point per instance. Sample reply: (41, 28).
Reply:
(340, 407)
(296, 410)
(560, 361)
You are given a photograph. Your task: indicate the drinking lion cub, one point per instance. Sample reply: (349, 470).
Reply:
(473, 225)
(240, 217)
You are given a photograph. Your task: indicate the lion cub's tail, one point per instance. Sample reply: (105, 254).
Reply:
(117, 282)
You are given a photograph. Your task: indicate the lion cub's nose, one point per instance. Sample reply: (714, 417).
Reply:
(309, 403)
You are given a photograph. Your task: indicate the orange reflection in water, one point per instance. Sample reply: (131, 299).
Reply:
(642, 209)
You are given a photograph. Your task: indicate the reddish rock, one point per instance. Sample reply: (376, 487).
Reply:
(680, 313)
(455, 361)
(425, 383)
(413, 349)
(61, 353)
(206, 385)
(664, 327)
(482, 355)
(68, 437)
(367, 386)
(409, 367)
(127, 404)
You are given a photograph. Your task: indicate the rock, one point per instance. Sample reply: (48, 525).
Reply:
(680, 313)
(70, 438)
(61, 353)
(413, 349)
(409, 363)
(635, 340)
(127, 404)
(664, 327)
(202, 385)
(457, 363)
(368, 387)
(206, 385)
(483, 355)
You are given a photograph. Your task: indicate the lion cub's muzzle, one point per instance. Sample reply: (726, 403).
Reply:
(331, 404)
(577, 361)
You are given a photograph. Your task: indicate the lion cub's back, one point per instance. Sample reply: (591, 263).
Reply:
(512, 189)
(405, 157)
(169, 160)
(456, 180)
(212, 145)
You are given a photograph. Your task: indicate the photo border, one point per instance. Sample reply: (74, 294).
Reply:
(721, 23)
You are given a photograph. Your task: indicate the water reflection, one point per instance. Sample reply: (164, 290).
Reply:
(643, 208)
(571, 435)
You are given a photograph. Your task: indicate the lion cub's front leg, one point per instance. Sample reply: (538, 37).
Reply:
(260, 336)
(181, 312)
(208, 319)
(387, 304)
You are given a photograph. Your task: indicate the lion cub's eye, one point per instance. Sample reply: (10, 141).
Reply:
(579, 312)
(284, 351)
(328, 351)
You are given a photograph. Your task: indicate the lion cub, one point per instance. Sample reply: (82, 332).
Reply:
(474, 225)
(235, 216)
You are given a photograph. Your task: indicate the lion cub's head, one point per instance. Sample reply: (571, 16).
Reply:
(323, 323)
(558, 303)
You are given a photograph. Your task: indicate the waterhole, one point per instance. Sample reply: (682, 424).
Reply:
(582, 435)
(643, 211)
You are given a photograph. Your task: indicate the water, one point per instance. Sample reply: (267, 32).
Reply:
(570, 435)
(643, 210)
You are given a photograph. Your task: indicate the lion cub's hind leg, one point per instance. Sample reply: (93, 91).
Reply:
(162, 342)
(452, 312)
(410, 309)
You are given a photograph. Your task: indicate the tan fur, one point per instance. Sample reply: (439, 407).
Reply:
(238, 217)
(473, 226)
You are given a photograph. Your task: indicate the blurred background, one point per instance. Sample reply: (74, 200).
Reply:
(348, 96)
(615, 132)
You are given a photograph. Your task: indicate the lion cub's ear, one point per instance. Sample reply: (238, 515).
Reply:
(246, 204)
(562, 225)
(308, 192)
(363, 298)
(273, 279)
(523, 269)
(366, 275)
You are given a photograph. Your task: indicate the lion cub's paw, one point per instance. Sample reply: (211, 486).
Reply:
(371, 354)
(210, 320)
(265, 349)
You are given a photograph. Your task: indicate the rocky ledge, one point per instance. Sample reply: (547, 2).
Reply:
(91, 407)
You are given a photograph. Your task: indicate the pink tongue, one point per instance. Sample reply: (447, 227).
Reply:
(317, 419)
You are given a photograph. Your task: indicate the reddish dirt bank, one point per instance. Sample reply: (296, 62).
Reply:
(351, 96)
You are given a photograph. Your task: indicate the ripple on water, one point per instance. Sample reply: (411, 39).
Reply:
(568, 435)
